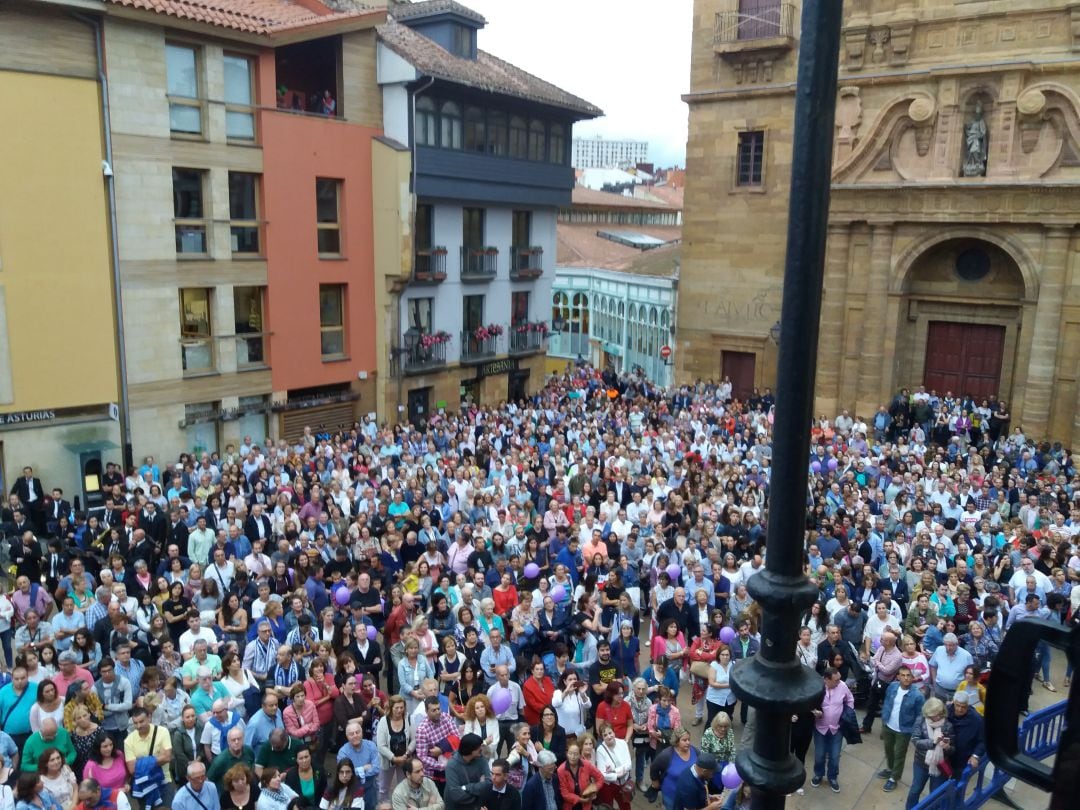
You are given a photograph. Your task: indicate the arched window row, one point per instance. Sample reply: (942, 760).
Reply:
(450, 125)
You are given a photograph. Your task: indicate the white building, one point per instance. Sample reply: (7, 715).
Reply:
(601, 153)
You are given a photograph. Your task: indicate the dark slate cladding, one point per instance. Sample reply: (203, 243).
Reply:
(457, 175)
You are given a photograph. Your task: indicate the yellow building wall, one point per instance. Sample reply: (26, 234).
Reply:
(55, 279)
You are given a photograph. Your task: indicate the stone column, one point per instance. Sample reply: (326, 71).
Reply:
(1042, 362)
(872, 364)
(831, 335)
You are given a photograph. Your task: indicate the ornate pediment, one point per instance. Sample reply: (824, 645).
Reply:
(960, 133)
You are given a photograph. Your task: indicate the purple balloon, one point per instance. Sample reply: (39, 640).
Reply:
(532, 570)
(730, 776)
(832, 464)
(501, 700)
(727, 635)
(371, 632)
(558, 593)
(815, 466)
(673, 571)
(342, 596)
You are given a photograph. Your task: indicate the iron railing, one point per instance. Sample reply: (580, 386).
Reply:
(524, 339)
(526, 263)
(429, 266)
(475, 348)
(479, 264)
(421, 358)
(1039, 736)
(755, 19)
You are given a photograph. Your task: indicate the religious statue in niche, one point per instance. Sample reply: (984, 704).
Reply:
(975, 143)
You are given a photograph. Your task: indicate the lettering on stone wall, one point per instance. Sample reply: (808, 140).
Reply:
(757, 309)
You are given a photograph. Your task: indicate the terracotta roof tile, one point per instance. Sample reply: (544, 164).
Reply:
(579, 246)
(606, 199)
(249, 16)
(487, 72)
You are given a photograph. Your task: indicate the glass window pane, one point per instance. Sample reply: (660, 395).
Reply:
(240, 125)
(326, 200)
(183, 118)
(333, 342)
(195, 312)
(329, 240)
(187, 194)
(241, 195)
(330, 306)
(182, 72)
(237, 80)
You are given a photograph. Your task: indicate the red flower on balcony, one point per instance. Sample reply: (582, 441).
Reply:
(430, 341)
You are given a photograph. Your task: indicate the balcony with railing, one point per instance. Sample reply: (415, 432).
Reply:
(528, 338)
(429, 266)
(423, 352)
(478, 345)
(526, 263)
(758, 25)
(479, 264)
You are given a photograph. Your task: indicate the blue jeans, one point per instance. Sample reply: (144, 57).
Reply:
(920, 775)
(643, 755)
(827, 746)
(1044, 659)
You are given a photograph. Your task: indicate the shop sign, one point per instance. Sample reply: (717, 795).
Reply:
(44, 416)
(496, 367)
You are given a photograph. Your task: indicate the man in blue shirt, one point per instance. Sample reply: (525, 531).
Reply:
(198, 793)
(263, 722)
(364, 756)
(692, 791)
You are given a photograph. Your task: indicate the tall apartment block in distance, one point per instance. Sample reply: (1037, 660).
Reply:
(600, 153)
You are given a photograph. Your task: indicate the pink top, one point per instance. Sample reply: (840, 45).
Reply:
(303, 723)
(115, 776)
(659, 647)
(832, 706)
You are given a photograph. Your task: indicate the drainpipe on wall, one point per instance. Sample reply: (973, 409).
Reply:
(396, 303)
(110, 185)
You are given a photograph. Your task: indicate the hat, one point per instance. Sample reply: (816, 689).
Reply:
(961, 697)
(470, 743)
(706, 762)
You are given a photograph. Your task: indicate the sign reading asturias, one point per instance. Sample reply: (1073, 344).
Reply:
(22, 417)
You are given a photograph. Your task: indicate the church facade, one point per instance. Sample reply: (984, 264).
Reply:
(952, 250)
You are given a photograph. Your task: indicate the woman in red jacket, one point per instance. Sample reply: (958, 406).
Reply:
(538, 691)
(579, 780)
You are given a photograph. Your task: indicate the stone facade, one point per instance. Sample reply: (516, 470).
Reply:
(951, 257)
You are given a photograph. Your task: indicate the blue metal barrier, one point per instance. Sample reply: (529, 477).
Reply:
(1039, 736)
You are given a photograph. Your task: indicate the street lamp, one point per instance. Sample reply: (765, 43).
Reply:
(774, 333)
(558, 325)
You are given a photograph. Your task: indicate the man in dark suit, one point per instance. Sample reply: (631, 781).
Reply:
(676, 608)
(623, 493)
(26, 554)
(55, 509)
(153, 523)
(32, 495)
(535, 791)
(178, 533)
(112, 516)
(257, 526)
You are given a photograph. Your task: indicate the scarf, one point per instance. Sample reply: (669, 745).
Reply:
(936, 754)
(285, 677)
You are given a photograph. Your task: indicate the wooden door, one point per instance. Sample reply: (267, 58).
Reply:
(964, 358)
(739, 367)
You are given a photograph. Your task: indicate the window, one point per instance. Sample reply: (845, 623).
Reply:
(472, 312)
(427, 132)
(536, 140)
(496, 133)
(189, 214)
(450, 126)
(420, 314)
(244, 213)
(248, 315)
(425, 220)
(252, 421)
(472, 228)
(522, 228)
(332, 319)
(751, 157)
(182, 86)
(328, 216)
(200, 432)
(474, 129)
(196, 335)
(519, 138)
(557, 144)
(463, 41)
(519, 308)
(239, 115)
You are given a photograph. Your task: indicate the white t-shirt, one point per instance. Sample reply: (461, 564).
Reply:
(188, 639)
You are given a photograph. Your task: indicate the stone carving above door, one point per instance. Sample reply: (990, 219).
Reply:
(960, 133)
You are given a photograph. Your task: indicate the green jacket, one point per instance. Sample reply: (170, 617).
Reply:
(35, 745)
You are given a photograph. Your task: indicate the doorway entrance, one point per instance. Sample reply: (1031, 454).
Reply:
(517, 388)
(964, 358)
(739, 367)
(419, 405)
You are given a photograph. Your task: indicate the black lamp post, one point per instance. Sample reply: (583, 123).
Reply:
(773, 681)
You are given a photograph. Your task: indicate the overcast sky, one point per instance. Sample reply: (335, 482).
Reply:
(631, 58)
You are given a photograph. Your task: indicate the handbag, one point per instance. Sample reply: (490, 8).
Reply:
(701, 669)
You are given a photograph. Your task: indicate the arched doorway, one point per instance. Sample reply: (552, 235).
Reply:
(964, 303)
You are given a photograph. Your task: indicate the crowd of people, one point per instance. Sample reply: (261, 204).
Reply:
(504, 607)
